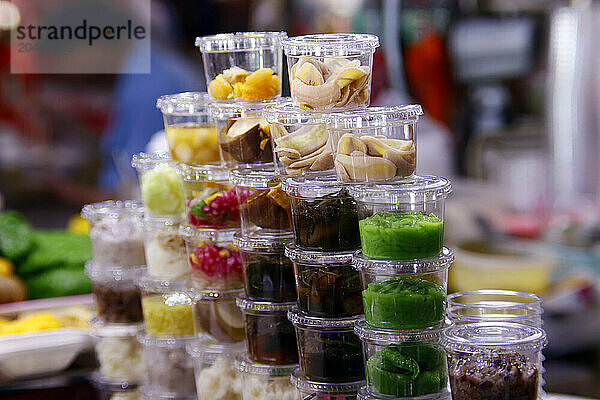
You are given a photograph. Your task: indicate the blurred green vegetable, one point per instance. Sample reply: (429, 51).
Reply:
(15, 235)
(58, 282)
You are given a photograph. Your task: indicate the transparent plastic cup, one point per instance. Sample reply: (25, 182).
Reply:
(494, 360)
(243, 132)
(404, 364)
(328, 286)
(365, 394)
(170, 367)
(149, 394)
(405, 218)
(324, 391)
(191, 133)
(301, 141)
(118, 352)
(216, 375)
(108, 390)
(328, 348)
(324, 215)
(331, 71)
(270, 336)
(217, 315)
(264, 206)
(491, 305)
(116, 232)
(404, 295)
(376, 144)
(116, 297)
(268, 272)
(265, 382)
(210, 198)
(160, 184)
(166, 256)
(167, 308)
(215, 262)
(242, 65)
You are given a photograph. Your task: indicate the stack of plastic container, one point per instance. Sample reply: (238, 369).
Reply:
(116, 232)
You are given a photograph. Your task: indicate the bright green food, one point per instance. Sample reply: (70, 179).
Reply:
(58, 282)
(404, 303)
(168, 315)
(162, 191)
(407, 370)
(15, 235)
(401, 236)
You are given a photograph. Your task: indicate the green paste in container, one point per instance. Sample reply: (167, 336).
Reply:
(404, 303)
(407, 370)
(165, 317)
(401, 236)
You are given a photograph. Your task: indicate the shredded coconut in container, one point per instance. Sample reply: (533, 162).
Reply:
(121, 359)
(118, 241)
(269, 388)
(220, 381)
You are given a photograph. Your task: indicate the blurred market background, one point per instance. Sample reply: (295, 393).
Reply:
(511, 93)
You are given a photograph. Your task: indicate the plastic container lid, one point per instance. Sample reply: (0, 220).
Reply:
(365, 394)
(209, 350)
(111, 209)
(257, 242)
(333, 44)
(494, 338)
(375, 117)
(502, 299)
(212, 172)
(247, 305)
(146, 161)
(417, 266)
(214, 294)
(186, 103)
(150, 284)
(261, 176)
(102, 383)
(314, 186)
(385, 337)
(416, 189)
(244, 364)
(171, 342)
(208, 234)
(306, 321)
(239, 41)
(285, 112)
(332, 388)
(102, 329)
(98, 272)
(297, 254)
(163, 221)
(233, 109)
(149, 394)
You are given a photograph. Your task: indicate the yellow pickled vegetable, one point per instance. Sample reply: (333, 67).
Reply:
(6, 267)
(168, 315)
(33, 323)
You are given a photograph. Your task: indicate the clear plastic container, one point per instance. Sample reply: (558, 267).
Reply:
(149, 394)
(494, 360)
(114, 390)
(214, 261)
(301, 141)
(324, 391)
(377, 144)
(118, 352)
(331, 71)
(403, 364)
(328, 348)
(268, 272)
(116, 232)
(243, 132)
(269, 334)
(216, 314)
(265, 382)
(324, 215)
(170, 367)
(191, 133)
(160, 184)
(166, 257)
(404, 295)
(327, 284)
(406, 218)
(365, 394)
(242, 65)
(210, 198)
(264, 206)
(491, 305)
(116, 297)
(167, 308)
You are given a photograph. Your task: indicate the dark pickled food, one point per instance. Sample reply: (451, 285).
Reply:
(220, 318)
(269, 277)
(329, 291)
(407, 370)
(401, 236)
(329, 224)
(247, 140)
(118, 305)
(271, 338)
(503, 376)
(268, 209)
(404, 303)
